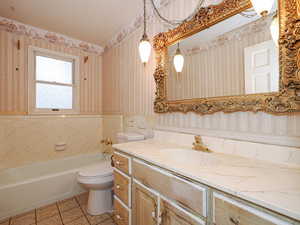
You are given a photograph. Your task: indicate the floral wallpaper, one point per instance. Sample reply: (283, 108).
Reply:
(52, 37)
(138, 21)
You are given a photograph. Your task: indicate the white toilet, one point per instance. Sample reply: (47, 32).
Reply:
(98, 179)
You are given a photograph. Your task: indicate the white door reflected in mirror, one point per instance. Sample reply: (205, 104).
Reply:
(261, 68)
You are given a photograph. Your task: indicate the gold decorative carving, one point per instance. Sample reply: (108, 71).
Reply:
(285, 101)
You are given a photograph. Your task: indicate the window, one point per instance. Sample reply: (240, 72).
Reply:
(53, 86)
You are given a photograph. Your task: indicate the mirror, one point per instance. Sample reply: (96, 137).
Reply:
(236, 56)
(230, 63)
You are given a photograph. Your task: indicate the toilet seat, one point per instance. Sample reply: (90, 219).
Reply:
(100, 170)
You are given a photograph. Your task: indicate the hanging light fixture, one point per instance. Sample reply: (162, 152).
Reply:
(144, 46)
(178, 60)
(262, 7)
(274, 28)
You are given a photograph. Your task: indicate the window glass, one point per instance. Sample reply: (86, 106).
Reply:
(50, 96)
(54, 70)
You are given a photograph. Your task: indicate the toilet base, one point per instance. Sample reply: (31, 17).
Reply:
(99, 202)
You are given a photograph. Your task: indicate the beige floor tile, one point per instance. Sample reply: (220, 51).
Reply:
(108, 222)
(80, 221)
(83, 198)
(46, 212)
(71, 215)
(4, 222)
(24, 219)
(67, 204)
(94, 220)
(53, 220)
(98, 219)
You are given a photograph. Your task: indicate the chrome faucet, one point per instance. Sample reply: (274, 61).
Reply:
(198, 145)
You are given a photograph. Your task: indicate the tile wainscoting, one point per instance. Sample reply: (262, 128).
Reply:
(258, 145)
(30, 139)
(264, 152)
(243, 126)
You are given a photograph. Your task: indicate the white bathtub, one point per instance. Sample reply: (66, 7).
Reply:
(38, 184)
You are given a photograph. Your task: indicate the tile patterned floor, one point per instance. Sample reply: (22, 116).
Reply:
(71, 211)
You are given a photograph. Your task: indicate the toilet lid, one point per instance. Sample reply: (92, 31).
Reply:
(97, 170)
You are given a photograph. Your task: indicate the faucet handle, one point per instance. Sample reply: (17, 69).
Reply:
(106, 141)
(198, 144)
(198, 139)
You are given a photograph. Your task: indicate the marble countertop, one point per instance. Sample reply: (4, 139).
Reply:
(270, 185)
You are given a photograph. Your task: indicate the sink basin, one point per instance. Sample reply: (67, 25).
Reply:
(179, 155)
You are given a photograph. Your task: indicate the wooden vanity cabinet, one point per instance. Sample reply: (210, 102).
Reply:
(145, 205)
(122, 187)
(186, 194)
(121, 213)
(173, 215)
(148, 195)
(122, 162)
(227, 211)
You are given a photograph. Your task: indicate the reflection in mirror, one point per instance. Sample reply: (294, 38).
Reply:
(234, 57)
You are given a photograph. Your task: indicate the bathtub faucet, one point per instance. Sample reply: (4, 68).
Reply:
(106, 141)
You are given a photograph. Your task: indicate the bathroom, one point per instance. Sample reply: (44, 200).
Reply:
(134, 132)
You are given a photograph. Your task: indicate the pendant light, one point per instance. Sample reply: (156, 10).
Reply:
(274, 28)
(262, 7)
(178, 60)
(144, 46)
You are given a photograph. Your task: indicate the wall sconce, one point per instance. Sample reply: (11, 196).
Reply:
(178, 60)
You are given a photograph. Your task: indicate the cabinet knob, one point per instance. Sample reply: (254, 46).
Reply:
(118, 186)
(234, 221)
(118, 163)
(118, 217)
(153, 214)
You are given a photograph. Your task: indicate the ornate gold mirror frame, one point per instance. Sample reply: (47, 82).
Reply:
(284, 101)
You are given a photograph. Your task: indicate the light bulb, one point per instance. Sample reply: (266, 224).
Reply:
(144, 49)
(178, 61)
(274, 28)
(262, 7)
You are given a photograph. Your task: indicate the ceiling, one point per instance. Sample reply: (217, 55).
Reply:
(211, 33)
(94, 21)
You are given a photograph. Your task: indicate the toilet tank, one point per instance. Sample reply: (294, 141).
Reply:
(129, 137)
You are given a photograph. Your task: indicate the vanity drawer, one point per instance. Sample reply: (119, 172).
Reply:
(121, 214)
(227, 211)
(122, 162)
(171, 214)
(187, 194)
(122, 187)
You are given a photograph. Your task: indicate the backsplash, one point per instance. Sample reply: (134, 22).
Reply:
(30, 139)
(140, 124)
(271, 153)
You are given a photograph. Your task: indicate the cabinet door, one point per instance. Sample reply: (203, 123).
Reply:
(186, 194)
(227, 211)
(171, 215)
(144, 205)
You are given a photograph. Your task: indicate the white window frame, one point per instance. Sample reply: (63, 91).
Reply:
(32, 53)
